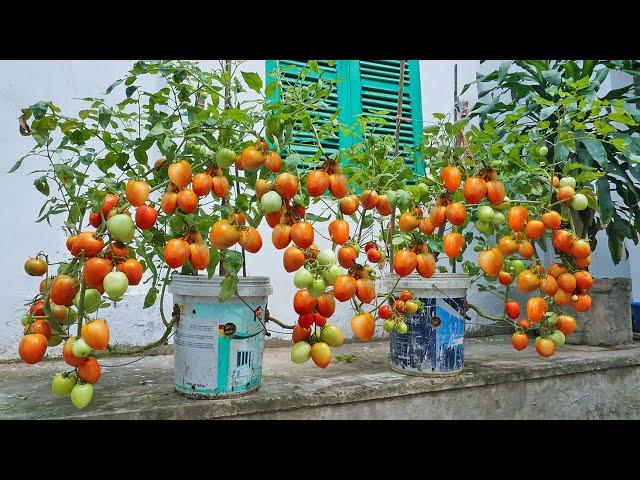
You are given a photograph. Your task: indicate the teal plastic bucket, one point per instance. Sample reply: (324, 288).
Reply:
(218, 347)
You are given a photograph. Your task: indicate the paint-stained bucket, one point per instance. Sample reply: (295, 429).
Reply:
(434, 342)
(218, 346)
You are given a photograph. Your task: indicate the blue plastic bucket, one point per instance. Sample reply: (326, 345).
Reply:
(434, 342)
(218, 347)
(635, 315)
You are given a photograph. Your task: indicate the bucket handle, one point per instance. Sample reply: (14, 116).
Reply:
(465, 307)
(257, 314)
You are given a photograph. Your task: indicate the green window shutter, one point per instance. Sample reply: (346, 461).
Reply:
(376, 86)
(338, 100)
(366, 86)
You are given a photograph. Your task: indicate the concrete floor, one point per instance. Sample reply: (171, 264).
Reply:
(497, 382)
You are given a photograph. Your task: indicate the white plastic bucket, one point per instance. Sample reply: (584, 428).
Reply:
(218, 347)
(434, 342)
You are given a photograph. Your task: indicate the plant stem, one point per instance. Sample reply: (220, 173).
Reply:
(83, 287)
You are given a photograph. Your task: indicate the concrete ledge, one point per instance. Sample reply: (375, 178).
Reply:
(497, 382)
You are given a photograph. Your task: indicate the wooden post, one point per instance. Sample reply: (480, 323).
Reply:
(397, 152)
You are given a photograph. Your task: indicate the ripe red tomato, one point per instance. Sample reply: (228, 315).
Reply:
(384, 312)
(512, 309)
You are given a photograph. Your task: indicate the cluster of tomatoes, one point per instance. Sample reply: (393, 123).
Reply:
(562, 284)
(393, 315)
(105, 269)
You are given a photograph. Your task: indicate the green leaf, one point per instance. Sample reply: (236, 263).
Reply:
(546, 112)
(232, 261)
(113, 85)
(586, 177)
(129, 91)
(271, 88)
(42, 186)
(104, 115)
(228, 288)
(253, 80)
(150, 297)
(596, 150)
(16, 165)
(318, 218)
(604, 200)
(237, 115)
(39, 109)
(214, 259)
(615, 244)
(554, 77)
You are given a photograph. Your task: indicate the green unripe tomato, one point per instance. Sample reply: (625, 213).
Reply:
(327, 257)
(302, 278)
(121, 227)
(498, 218)
(271, 202)
(81, 395)
(392, 198)
(557, 337)
(517, 266)
(332, 335)
(485, 213)
(568, 182)
(62, 384)
(80, 348)
(423, 189)
(543, 151)
(484, 227)
(551, 318)
(356, 247)
(25, 320)
(92, 300)
(580, 201)
(332, 273)
(317, 287)
(402, 328)
(115, 285)
(504, 205)
(225, 157)
(388, 326)
(300, 352)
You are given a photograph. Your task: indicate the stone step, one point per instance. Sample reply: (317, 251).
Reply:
(497, 382)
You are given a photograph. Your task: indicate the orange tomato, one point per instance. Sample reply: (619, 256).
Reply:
(303, 302)
(505, 278)
(527, 281)
(456, 213)
(583, 262)
(339, 231)
(369, 199)
(453, 244)
(408, 222)
(202, 184)
(474, 189)
(536, 308)
(344, 288)
(519, 340)
(187, 201)
(580, 249)
(517, 217)
(566, 324)
(425, 226)
(562, 241)
(404, 262)
(63, 289)
(89, 370)
(137, 192)
(365, 290)
(146, 217)
(176, 252)
(326, 305)
(273, 162)
(495, 192)
(318, 182)
(250, 239)
(567, 282)
(302, 234)
(251, 158)
(451, 178)
(286, 185)
(383, 207)
(32, 347)
(584, 280)
(507, 245)
(180, 173)
(363, 325)
(281, 236)
(565, 194)
(426, 265)
(545, 347)
(169, 202)
(94, 271)
(562, 298)
(300, 334)
(293, 259)
(346, 257)
(338, 184)
(96, 334)
(583, 303)
(223, 235)
(199, 255)
(491, 261)
(525, 249)
(549, 285)
(220, 186)
(552, 220)
(87, 244)
(534, 229)
(348, 205)
(437, 215)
